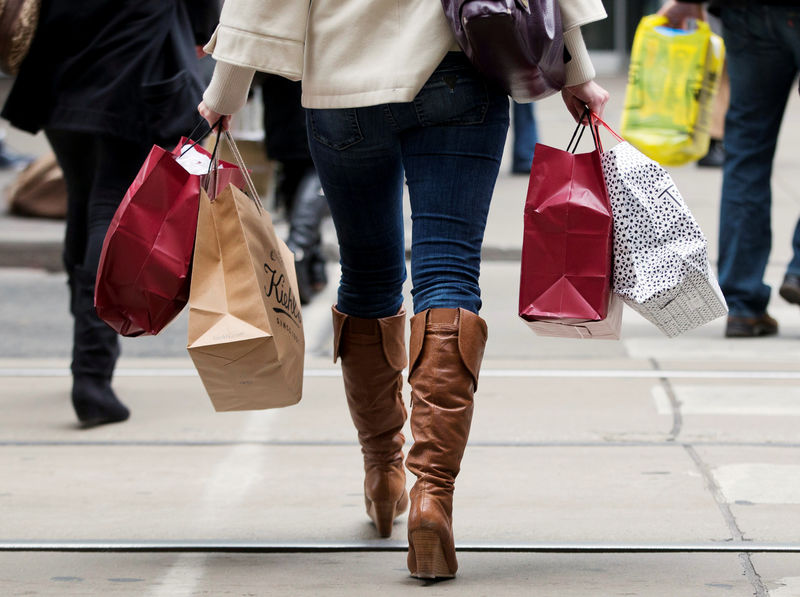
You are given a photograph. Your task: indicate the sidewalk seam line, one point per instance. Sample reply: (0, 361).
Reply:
(677, 416)
(730, 520)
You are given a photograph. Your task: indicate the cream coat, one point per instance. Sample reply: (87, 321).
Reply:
(351, 53)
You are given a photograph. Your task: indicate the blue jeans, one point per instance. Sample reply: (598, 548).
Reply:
(525, 137)
(448, 142)
(763, 50)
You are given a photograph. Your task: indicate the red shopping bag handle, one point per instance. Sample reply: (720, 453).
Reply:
(596, 118)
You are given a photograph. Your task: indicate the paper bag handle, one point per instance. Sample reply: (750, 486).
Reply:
(210, 180)
(245, 172)
(596, 118)
(572, 147)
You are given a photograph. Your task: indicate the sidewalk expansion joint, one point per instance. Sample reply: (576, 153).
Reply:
(677, 416)
(730, 520)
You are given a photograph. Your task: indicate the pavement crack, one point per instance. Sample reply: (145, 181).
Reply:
(730, 520)
(675, 404)
(753, 576)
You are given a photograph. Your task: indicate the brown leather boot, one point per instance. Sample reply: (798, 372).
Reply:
(446, 353)
(373, 356)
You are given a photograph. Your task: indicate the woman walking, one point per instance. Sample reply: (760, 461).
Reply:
(390, 96)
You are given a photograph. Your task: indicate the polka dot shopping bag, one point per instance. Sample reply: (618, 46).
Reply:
(661, 266)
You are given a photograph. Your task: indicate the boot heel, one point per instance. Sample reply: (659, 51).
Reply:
(383, 514)
(431, 562)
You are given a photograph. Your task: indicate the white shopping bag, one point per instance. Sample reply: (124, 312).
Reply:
(661, 266)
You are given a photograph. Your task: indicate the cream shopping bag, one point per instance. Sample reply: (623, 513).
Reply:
(245, 326)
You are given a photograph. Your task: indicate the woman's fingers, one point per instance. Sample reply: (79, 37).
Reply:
(678, 13)
(213, 117)
(590, 93)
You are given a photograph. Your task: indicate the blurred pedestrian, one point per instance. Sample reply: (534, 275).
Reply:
(524, 137)
(106, 80)
(388, 94)
(297, 187)
(715, 156)
(763, 56)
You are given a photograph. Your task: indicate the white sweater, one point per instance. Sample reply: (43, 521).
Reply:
(351, 53)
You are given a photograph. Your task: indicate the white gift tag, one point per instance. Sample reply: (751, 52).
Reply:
(194, 161)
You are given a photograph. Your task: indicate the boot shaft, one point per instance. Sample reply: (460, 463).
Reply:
(446, 352)
(373, 357)
(95, 345)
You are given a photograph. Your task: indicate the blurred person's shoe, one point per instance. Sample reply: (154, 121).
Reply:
(319, 277)
(715, 157)
(302, 269)
(95, 402)
(750, 327)
(790, 289)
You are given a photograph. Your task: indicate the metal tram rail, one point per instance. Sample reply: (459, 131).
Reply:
(209, 546)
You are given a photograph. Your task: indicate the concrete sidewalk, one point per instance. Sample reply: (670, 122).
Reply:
(648, 466)
(617, 468)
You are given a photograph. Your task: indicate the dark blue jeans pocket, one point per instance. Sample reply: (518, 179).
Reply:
(337, 129)
(455, 94)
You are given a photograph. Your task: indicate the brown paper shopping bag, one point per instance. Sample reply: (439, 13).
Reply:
(245, 326)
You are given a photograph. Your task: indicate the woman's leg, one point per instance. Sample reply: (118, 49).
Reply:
(358, 159)
(75, 153)
(452, 158)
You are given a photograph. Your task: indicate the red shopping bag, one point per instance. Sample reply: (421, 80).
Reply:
(143, 276)
(565, 275)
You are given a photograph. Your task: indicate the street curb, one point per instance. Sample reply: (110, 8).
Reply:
(47, 255)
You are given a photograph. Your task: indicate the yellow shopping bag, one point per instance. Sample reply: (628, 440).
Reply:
(673, 77)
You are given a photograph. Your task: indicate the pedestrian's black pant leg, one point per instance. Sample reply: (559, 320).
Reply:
(75, 153)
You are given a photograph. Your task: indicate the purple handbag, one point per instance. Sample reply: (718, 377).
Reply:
(517, 43)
